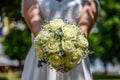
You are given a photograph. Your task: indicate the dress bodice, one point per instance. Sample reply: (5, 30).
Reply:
(67, 10)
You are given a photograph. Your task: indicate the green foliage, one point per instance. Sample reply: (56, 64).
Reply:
(2, 78)
(17, 43)
(106, 77)
(11, 9)
(106, 43)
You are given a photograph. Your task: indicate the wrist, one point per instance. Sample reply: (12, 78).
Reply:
(85, 30)
(36, 30)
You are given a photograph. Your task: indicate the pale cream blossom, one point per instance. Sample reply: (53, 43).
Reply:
(52, 46)
(39, 52)
(68, 45)
(82, 41)
(55, 24)
(72, 60)
(54, 60)
(69, 31)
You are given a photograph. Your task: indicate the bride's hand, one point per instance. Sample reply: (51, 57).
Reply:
(88, 16)
(31, 13)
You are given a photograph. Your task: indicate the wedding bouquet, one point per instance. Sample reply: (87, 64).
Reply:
(60, 45)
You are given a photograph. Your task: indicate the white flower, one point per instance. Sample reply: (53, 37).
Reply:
(39, 52)
(55, 24)
(80, 51)
(68, 45)
(69, 31)
(55, 60)
(52, 46)
(72, 60)
(44, 36)
(82, 41)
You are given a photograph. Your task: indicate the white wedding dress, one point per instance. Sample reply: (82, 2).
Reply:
(50, 9)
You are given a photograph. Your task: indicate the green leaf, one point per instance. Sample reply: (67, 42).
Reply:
(62, 52)
(40, 63)
(59, 34)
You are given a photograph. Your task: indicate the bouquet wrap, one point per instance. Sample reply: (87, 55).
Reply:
(60, 45)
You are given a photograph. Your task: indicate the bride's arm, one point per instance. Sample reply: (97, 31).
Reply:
(88, 16)
(31, 13)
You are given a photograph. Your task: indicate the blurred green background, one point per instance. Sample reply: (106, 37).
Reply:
(104, 40)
